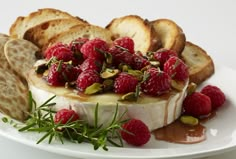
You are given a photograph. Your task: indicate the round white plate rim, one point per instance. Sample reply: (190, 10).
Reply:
(127, 152)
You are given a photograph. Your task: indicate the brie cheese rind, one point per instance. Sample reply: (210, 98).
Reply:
(155, 112)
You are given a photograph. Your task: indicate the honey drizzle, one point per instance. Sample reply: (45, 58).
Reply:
(166, 112)
(176, 102)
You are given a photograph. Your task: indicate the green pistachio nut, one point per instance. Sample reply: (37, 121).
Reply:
(189, 120)
(131, 96)
(94, 88)
(155, 63)
(138, 74)
(109, 73)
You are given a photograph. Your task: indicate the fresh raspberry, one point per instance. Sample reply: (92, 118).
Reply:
(139, 62)
(61, 52)
(94, 49)
(157, 82)
(91, 64)
(65, 115)
(197, 104)
(86, 79)
(121, 56)
(136, 132)
(76, 44)
(176, 68)
(163, 55)
(58, 75)
(49, 51)
(75, 47)
(125, 42)
(125, 83)
(215, 94)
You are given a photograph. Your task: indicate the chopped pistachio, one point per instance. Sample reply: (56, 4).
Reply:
(109, 73)
(191, 88)
(124, 67)
(155, 63)
(178, 85)
(136, 73)
(131, 96)
(189, 120)
(94, 88)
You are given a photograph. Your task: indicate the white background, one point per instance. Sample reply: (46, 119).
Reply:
(210, 24)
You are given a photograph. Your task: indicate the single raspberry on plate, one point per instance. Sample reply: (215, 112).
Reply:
(86, 79)
(94, 49)
(125, 42)
(121, 56)
(65, 115)
(60, 73)
(139, 62)
(176, 68)
(215, 94)
(163, 55)
(156, 83)
(125, 83)
(197, 104)
(136, 132)
(91, 64)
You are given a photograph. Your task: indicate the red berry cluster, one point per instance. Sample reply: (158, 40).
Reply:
(200, 104)
(83, 60)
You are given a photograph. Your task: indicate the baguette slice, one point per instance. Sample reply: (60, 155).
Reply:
(171, 35)
(143, 34)
(22, 24)
(86, 31)
(3, 35)
(198, 61)
(40, 34)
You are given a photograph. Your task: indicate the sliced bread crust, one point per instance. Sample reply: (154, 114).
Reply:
(171, 35)
(40, 34)
(86, 31)
(140, 30)
(22, 24)
(200, 64)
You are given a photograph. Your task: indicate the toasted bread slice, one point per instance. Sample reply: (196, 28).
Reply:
(143, 34)
(87, 31)
(171, 35)
(40, 34)
(3, 35)
(22, 24)
(198, 61)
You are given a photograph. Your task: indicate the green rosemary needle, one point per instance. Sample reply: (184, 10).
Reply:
(41, 119)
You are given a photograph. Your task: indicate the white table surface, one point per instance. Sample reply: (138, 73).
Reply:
(208, 23)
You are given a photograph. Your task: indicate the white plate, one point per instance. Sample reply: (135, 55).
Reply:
(221, 133)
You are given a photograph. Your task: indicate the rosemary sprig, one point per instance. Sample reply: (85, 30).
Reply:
(42, 120)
